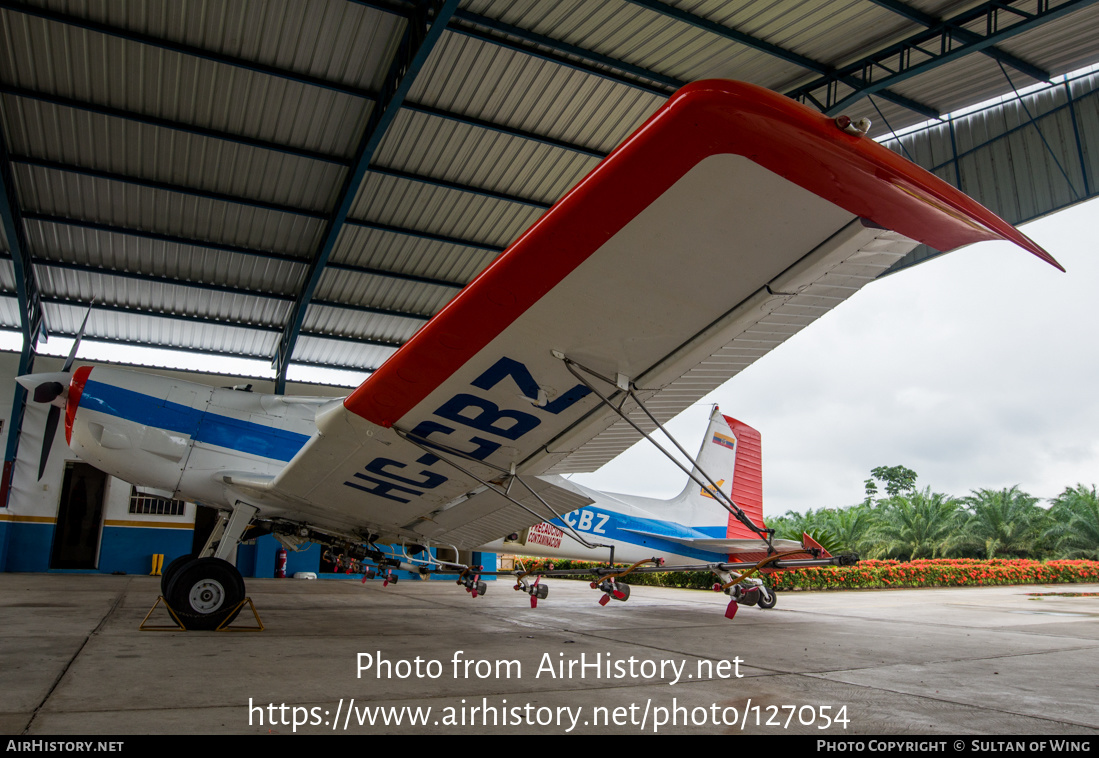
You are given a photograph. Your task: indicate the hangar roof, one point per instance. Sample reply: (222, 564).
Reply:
(308, 182)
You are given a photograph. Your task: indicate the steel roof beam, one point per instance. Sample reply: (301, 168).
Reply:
(259, 68)
(771, 49)
(208, 321)
(423, 31)
(164, 123)
(167, 186)
(184, 49)
(166, 238)
(445, 184)
(932, 48)
(964, 35)
(425, 235)
(212, 353)
(264, 204)
(564, 54)
(270, 255)
(219, 288)
(240, 139)
(502, 129)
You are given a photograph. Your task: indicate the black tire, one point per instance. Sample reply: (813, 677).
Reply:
(205, 593)
(767, 597)
(173, 567)
(623, 589)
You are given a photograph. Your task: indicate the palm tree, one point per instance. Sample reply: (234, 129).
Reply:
(915, 525)
(847, 528)
(815, 524)
(1002, 523)
(1076, 531)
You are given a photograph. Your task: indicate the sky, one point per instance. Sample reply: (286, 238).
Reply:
(977, 369)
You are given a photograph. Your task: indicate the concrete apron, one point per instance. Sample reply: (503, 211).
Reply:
(338, 655)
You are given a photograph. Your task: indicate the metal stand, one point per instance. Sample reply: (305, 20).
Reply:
(181, 627)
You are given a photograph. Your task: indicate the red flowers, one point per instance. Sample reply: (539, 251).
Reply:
(957, 572)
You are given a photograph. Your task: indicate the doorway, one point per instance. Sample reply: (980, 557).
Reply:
(79, 518)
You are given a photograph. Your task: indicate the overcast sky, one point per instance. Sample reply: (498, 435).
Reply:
(977, 370)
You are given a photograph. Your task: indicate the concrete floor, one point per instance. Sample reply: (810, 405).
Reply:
(985, 661)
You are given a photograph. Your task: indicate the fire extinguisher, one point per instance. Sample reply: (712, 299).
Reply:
(280, 563)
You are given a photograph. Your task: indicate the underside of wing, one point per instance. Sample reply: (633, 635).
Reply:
(733, 218)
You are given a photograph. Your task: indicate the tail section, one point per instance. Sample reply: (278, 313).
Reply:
(747, 489)
(731, 456)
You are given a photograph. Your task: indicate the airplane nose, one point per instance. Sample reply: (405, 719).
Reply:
(43, 386)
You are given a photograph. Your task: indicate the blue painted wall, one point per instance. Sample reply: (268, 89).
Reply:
(130, 549)
(28, 546)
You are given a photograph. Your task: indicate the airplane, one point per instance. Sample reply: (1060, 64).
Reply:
(690, 528)
(732, 218)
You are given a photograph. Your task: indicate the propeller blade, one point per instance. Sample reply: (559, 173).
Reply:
(76, 344)
(47, 438)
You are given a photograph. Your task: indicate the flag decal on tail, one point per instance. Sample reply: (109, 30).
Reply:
(721, 439)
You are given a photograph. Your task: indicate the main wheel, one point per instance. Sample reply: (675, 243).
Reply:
(767, 597)
(173, 567)
(205, 593)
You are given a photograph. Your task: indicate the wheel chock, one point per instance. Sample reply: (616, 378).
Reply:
(255, 614)
(181, 627)
(144, 627)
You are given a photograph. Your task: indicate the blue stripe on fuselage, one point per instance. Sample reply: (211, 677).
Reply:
(615, 528)
(201, 426)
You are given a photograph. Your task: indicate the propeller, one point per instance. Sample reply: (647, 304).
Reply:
(53, 388)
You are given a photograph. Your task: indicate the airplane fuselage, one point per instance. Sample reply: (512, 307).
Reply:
(639, 528)
(174, 436)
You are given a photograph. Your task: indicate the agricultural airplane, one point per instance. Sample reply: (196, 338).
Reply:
(728, 221)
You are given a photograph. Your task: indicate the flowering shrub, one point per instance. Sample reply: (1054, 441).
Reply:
(943, 572)
(957, 572)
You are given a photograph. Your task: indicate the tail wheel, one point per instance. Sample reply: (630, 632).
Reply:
(205, 593)
(173, 567)
(767, 597)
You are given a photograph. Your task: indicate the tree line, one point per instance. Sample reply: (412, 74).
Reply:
(907, 523)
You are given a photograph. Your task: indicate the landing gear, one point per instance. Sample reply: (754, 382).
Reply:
(173, 568)
(205, 593)
(767, 597)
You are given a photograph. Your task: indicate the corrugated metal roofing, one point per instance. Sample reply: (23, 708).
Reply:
(183, 162)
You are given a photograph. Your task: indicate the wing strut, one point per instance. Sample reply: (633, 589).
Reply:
(626, 385)
(436, 448)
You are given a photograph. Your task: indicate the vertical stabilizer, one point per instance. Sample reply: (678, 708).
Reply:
(731, 456)
(748, 483)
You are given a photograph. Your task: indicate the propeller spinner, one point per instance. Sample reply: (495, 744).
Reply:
(53, 388)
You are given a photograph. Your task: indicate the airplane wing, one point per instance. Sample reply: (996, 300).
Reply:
(730, 220)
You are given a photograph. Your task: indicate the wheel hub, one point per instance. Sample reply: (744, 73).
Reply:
(207, 596)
